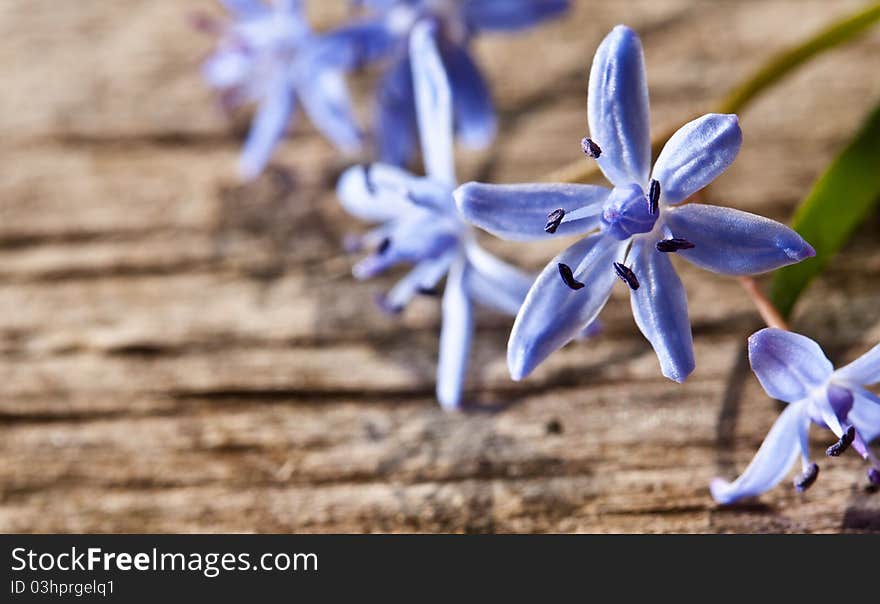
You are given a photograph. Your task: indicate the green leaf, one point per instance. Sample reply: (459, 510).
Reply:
(840, 200)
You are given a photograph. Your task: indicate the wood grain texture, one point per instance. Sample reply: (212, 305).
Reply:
(181, 353)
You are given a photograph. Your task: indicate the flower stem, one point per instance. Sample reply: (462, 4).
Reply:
(769, 313)
(770, 73)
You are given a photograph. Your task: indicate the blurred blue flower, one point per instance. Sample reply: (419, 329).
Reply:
(634, 227)
(267, 55)
(420, 226)
(383, 34)
(792, 368)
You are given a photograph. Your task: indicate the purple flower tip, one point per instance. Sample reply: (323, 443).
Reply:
(874, 476)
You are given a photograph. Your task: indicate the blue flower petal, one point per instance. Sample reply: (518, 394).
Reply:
(424, 276)
(520, 212)
(509, 15)
(396, 115)
(433, 104)
(245, 8)
(267, 128)
(455, 338)
(865, 414)
(733, 242)
(660, 309)
(354, 46)
(553, 314)
(864, 371)
(696, 155)
(772, 461)
(617, 108)
(494, 283)
(375, 193)
(788, 365)
(474, 114)
(324, 96)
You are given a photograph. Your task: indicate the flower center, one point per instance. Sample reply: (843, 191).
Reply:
(628, 212)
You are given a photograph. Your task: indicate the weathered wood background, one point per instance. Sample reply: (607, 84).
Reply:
(180, 353)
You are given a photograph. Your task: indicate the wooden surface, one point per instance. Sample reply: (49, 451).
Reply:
(180, 353)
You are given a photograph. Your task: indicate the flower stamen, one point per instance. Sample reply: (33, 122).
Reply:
(591, 149)
(568, 277)
(383, 245)
(843, 444)
(554, 219)
(673, 245)
(806, 480)
(874, 476)
(654, 197)
(626, 275)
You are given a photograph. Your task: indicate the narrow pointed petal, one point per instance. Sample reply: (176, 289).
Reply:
(269, 125)
(788, 365)
(864, 371)
(325, 98)
(865, 414)
(617, 108)
(455, 338)
(519, 212)
(553, 314)
(433, 104)
(375, 193)
(425, 275)
(473, 111)
(660, 309)
(696, 155)
(418, 237)
(509, 15)
(496, 284)
(352, 47)
(396, 128)
(772, 461)
(732, 242)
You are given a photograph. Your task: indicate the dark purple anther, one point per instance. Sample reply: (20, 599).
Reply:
(626, 275)
(805, 480)
(384, 245)
(591, 149)
(874, 476)
(673, 245)
(568, 277)
(554, 219)
(428, 291)
(843, 444)
(654, 197)
(368, 180)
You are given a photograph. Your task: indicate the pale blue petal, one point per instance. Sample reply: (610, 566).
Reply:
(508, 15)
(227, 69)
(519, 212)
(733, 242)
(268, 127)
(864, 371)
(354, 46)
(245, 8)
(772, 461)
(788, 365)
(494, 283)
(553, 314)
(660, 309)
(455, 338)
(433, 104)
(617, 108)
(424, 276)
(418, 236)
(865, 414)
(474, 114)
(696, 155)
(396, 129)
(374, 193)
(325, 98)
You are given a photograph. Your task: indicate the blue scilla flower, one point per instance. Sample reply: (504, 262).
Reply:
(420, 226)
(267, 55)
(384, 33)
(792, 368)
(632, 228)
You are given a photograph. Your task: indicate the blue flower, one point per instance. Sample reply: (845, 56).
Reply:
(384, 34)
(420, 226)
(267, 55)
(792, 368)
(634, 227)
